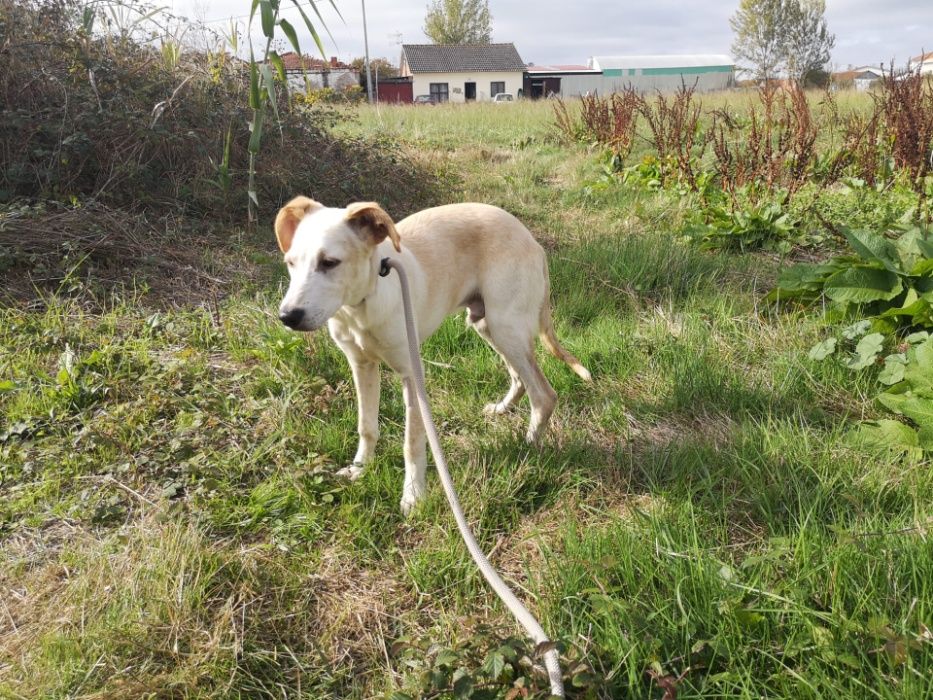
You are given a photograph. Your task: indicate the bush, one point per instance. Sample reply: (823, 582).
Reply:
(128, 125)
(888, 280)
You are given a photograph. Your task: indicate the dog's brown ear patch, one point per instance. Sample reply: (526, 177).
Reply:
(372, 221)
(289, 217)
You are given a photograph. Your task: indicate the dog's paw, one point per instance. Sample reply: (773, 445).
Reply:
(351, 472)
(410, 499)
(494, 409)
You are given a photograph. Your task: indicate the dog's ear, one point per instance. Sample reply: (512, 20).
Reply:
(372, 221)
(289, 217)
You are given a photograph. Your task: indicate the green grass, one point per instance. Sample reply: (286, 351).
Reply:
(169, 525)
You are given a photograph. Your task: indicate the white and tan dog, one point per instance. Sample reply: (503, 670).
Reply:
(460, 255)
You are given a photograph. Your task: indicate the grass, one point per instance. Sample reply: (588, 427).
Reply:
(169, 525)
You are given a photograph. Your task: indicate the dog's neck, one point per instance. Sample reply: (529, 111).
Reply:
(359, 307)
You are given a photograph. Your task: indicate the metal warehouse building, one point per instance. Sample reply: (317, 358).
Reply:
(667, 73)
(607, 74)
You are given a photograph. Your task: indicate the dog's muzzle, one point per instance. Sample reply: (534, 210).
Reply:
(293, 318)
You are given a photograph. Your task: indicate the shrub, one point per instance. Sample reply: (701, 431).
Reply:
(776, 151)
(675, 134)
(889, 280)
(610, 121)
(113, 121)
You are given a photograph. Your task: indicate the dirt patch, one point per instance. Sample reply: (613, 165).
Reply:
(95, 249)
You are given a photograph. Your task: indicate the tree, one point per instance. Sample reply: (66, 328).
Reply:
(458, 22)
(386, 69)
(774, 36)
(759, 36)
(809, 42)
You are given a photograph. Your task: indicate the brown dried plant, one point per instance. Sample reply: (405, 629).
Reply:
(609, 121)
(777, 150)
(674, 132)
(906, 104)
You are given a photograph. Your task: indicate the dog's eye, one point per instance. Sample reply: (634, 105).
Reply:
(329, 263)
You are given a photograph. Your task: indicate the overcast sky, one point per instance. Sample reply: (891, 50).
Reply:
(568, 31)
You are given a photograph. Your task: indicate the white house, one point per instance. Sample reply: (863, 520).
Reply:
(924, 62)
(462, 73)
(860, 78)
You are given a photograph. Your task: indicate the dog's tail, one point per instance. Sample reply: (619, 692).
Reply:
(549, 337)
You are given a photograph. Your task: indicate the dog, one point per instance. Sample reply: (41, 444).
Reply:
(472, 256)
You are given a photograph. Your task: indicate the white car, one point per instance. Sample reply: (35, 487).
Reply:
(503, 97)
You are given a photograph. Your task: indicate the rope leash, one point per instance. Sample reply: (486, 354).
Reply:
(515, 606)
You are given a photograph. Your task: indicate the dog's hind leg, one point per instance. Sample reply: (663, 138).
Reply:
(516, 388)
(516, 345)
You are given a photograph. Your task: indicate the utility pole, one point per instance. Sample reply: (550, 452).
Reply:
(369, 75)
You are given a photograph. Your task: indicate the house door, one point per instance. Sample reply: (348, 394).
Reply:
(469, 91)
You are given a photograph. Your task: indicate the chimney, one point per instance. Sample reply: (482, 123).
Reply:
(333, 61)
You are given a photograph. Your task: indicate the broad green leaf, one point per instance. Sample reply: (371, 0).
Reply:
(861, 285)
(268, 82)
(919, 409)
(804, 276)
(7, 385)
(463, 684)
(267, 15)
(310, 25)
(801, 281)
(494, 665)
(908, 248)
(915, 338)
(926, 246)
(823, 349)
(885, 435)
(289, 31)
(279, 67)
(919, 372)
(874, 247)
(255, 101)
(255, 128)
(892, 373)
(867, 351)
(922, 267)
(856, 330)
(918, 307)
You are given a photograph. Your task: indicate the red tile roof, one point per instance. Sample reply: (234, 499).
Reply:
(293, 61)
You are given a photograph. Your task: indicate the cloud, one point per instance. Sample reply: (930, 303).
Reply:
(552, 31)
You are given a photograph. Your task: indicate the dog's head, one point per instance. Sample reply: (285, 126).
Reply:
(331, 259)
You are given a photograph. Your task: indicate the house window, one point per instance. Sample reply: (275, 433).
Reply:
(439, 92)
(496, 88)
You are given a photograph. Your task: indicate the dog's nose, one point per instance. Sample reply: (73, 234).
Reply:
(292, 317)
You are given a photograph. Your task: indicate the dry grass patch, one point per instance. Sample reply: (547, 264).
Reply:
(158, 608)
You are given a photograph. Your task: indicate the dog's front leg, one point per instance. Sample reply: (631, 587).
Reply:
(415, 453)
(366, 380)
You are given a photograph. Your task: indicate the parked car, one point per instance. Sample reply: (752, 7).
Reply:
(425, 100)
(503, 97)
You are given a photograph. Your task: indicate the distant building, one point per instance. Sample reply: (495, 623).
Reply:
(550, 81)
(665, 72)
(304, 72)
(859, 78)
(462, 73)
(923, 62)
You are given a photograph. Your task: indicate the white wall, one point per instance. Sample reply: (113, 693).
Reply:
(456, 81)
(337, 78)
(576, 85)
